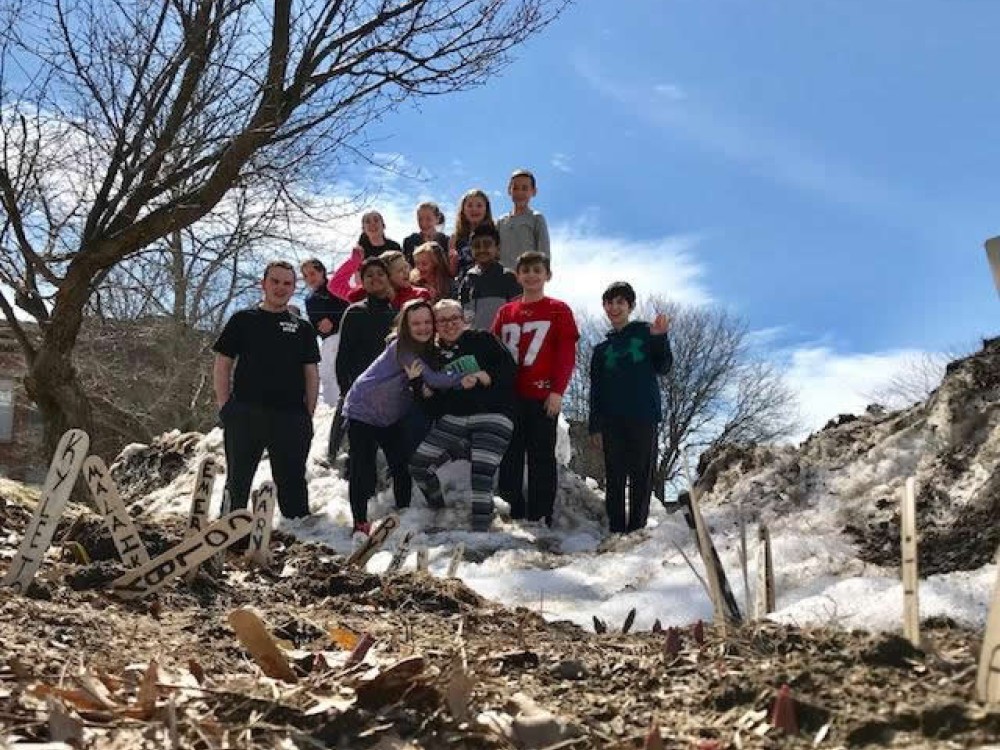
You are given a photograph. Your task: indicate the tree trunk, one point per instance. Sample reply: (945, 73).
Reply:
(51, 381)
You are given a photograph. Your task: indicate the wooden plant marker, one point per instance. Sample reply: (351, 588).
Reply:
(423, 560)
(911, 580)
(744, 567)
(126, 537)
(765, 573)
(182, 558)
(201, 493)
(399, 556)
(374, 542)
(219, 561)
(988, 676)
(706, 549)
(259, 551)
(456, 560)
(65, 466)
(253, 634)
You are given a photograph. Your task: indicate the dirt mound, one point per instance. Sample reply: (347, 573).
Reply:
(858, 466)
(141, 469)
(79, 649)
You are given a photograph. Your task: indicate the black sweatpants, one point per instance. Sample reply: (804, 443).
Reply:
(534, 438)
(629, 448)
(248, 430)
(364, 440)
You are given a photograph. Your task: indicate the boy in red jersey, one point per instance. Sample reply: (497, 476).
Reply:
(541, 334)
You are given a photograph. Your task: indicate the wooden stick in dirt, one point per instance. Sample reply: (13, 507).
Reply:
(218, 562)
(988, 676)
(109, 503)
(374, 542)
(456, 559)
(399, 556)
(911, 580)
(705, 549)
(423, 560)
(743, 560)
(259, 549)
(180, 559)
(765, 573)
(63, 470)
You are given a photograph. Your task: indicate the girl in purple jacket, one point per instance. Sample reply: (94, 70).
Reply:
(378, 403)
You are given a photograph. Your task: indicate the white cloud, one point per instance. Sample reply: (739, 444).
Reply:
(561, 162)
(829, 383)
(585, 260)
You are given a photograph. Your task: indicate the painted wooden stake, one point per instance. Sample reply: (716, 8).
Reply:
(399, 556)
(744, 563)
(109, 503)
(201, 494)
(180, 559)
(456, 559)
(423, 560)
(911, 580)
(988, 676)
(65, 466)
(765, 573)
(374, 542)
(259, 551)
(219, 561)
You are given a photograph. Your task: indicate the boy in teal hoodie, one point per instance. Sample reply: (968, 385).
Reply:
(625, 407)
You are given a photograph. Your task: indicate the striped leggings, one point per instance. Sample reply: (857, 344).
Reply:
(480, 438)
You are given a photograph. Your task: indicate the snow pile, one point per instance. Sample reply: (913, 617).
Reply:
(831, 506)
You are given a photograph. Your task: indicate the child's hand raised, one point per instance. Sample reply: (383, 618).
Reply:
(469, 381)
(414, 370)
(661, 324)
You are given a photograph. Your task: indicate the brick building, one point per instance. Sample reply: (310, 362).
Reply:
(20, 423)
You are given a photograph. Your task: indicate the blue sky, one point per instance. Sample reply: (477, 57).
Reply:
(827, 169)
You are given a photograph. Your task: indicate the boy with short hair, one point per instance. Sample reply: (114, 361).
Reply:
(523, 229)
(625, 408)
(541, 334)
(487, 286)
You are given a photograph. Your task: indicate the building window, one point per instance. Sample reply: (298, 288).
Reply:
(6, 410)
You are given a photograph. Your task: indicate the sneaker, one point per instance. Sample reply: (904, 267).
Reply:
(363, 527)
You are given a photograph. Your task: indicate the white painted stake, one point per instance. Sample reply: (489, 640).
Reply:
(765, 574)
(259, 551)
(201, 493)
(423, 560)
(126, 537)
(374, 542)
(219, 561)
(988, 676)
(911, 580)
(180, 559)
(399, 556)
(705, 548)
(65, 466)
(456, 559)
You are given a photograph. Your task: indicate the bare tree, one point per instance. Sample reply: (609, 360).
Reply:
(915, 380)
(718, 390)
(123, 124)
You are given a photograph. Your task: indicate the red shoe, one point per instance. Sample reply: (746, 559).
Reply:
(364, 527)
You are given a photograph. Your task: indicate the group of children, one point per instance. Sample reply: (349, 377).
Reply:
(447, 348)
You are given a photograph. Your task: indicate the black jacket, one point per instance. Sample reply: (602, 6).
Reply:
(624, 370)
(362, 338)
(321, 304)
(475, 350)
(373, 252)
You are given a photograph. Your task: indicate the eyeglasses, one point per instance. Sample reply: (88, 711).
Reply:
(450, 319)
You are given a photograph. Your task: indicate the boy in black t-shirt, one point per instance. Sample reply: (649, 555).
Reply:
(268, 402)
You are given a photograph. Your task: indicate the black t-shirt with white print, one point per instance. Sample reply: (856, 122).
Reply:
(270, 349)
